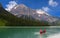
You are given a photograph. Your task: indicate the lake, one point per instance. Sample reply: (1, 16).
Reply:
(29, 32)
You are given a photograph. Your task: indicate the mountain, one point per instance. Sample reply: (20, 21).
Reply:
(10, 19)
(21, 9)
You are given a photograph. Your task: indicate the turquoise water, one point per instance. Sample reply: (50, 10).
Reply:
(28, 32)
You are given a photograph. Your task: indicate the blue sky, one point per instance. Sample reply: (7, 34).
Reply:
(50, 6)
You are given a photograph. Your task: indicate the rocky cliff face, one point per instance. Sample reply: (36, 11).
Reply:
(21, 9)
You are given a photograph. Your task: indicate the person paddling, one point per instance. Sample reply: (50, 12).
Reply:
(42, 31)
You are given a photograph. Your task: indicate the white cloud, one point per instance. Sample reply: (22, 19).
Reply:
(40, 11)
(45, 9)
(10, 5)
(53, 3)
(54, 36)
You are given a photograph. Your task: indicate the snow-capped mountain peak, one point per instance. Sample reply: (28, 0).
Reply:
(21, 6)
(39, 14)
